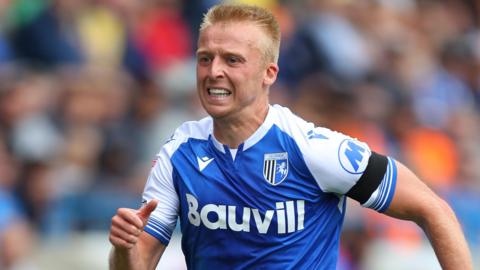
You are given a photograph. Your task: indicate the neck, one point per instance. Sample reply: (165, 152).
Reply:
(233, 131)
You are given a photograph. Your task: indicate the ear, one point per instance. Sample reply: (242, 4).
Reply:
(270, 74)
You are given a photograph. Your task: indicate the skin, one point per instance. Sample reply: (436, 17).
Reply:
(414, 201)
(133, 248)
(228, 59)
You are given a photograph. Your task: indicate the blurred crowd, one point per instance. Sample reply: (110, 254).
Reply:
(90, 90)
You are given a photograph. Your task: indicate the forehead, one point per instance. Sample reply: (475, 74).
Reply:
(231, 35)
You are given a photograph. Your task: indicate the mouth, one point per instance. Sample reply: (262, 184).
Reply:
(218, 92)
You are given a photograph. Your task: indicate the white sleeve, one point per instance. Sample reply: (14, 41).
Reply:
(338, 162)
(160, 186)
(335, 160)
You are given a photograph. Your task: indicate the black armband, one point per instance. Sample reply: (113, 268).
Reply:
(371, 178)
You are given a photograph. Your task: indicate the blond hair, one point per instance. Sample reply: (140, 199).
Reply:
(247, 13)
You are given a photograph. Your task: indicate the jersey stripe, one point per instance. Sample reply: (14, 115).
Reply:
(382, 197)
(158, 230)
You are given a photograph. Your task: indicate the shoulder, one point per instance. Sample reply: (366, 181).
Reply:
(287, 121)
(299, 128)
(199, 130)
(334, 159)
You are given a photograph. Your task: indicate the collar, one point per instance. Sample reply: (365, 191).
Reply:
(254, 138)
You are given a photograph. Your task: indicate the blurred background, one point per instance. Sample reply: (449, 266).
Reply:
(90, 90)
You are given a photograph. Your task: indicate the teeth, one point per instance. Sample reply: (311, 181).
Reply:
(218, 92)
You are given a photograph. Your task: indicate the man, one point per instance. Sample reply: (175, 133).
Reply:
(256, 187)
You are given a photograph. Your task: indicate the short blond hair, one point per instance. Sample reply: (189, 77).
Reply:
(247, 13)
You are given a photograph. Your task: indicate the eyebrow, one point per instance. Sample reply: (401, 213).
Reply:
(222, 52)
(199, 51)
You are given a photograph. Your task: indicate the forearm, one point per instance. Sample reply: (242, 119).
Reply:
(133, 248)
(125, 259)
(415, 201)
(445, 234)
(144, 255)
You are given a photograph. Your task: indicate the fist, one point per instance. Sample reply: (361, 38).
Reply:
(127, 225)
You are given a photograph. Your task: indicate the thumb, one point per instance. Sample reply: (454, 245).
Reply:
(147, 209)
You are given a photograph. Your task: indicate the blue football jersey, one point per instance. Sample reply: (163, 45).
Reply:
(278, 203)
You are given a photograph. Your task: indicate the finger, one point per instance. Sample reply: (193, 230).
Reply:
(146, 210)
(130, 217)
(119, 242)
(121, 234)
(119, 222)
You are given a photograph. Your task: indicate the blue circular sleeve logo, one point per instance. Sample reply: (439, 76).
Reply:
(353, 156)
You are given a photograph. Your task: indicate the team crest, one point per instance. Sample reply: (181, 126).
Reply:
(275, 167)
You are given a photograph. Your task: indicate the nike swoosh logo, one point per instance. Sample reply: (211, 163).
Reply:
(203, 162)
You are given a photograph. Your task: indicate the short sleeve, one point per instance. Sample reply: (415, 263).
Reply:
(346, 166)
(335, 160)
(160, 186)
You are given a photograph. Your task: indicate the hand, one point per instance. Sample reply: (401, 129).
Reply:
(127, 225)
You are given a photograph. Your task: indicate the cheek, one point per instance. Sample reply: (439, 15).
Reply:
(200, 77)
(199, 72)
(256, 77)
(252, 74)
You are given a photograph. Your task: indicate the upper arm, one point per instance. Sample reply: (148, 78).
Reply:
(413, 199)
(335, 160)
(346, 166)
(160, 186)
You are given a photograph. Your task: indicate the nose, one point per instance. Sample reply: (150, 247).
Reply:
(217, 69)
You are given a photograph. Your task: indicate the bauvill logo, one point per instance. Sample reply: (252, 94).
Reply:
(289, 215)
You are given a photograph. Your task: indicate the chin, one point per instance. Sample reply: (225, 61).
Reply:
(217, 113)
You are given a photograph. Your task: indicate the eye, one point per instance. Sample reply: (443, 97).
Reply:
(203, 59)
(233, 59)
